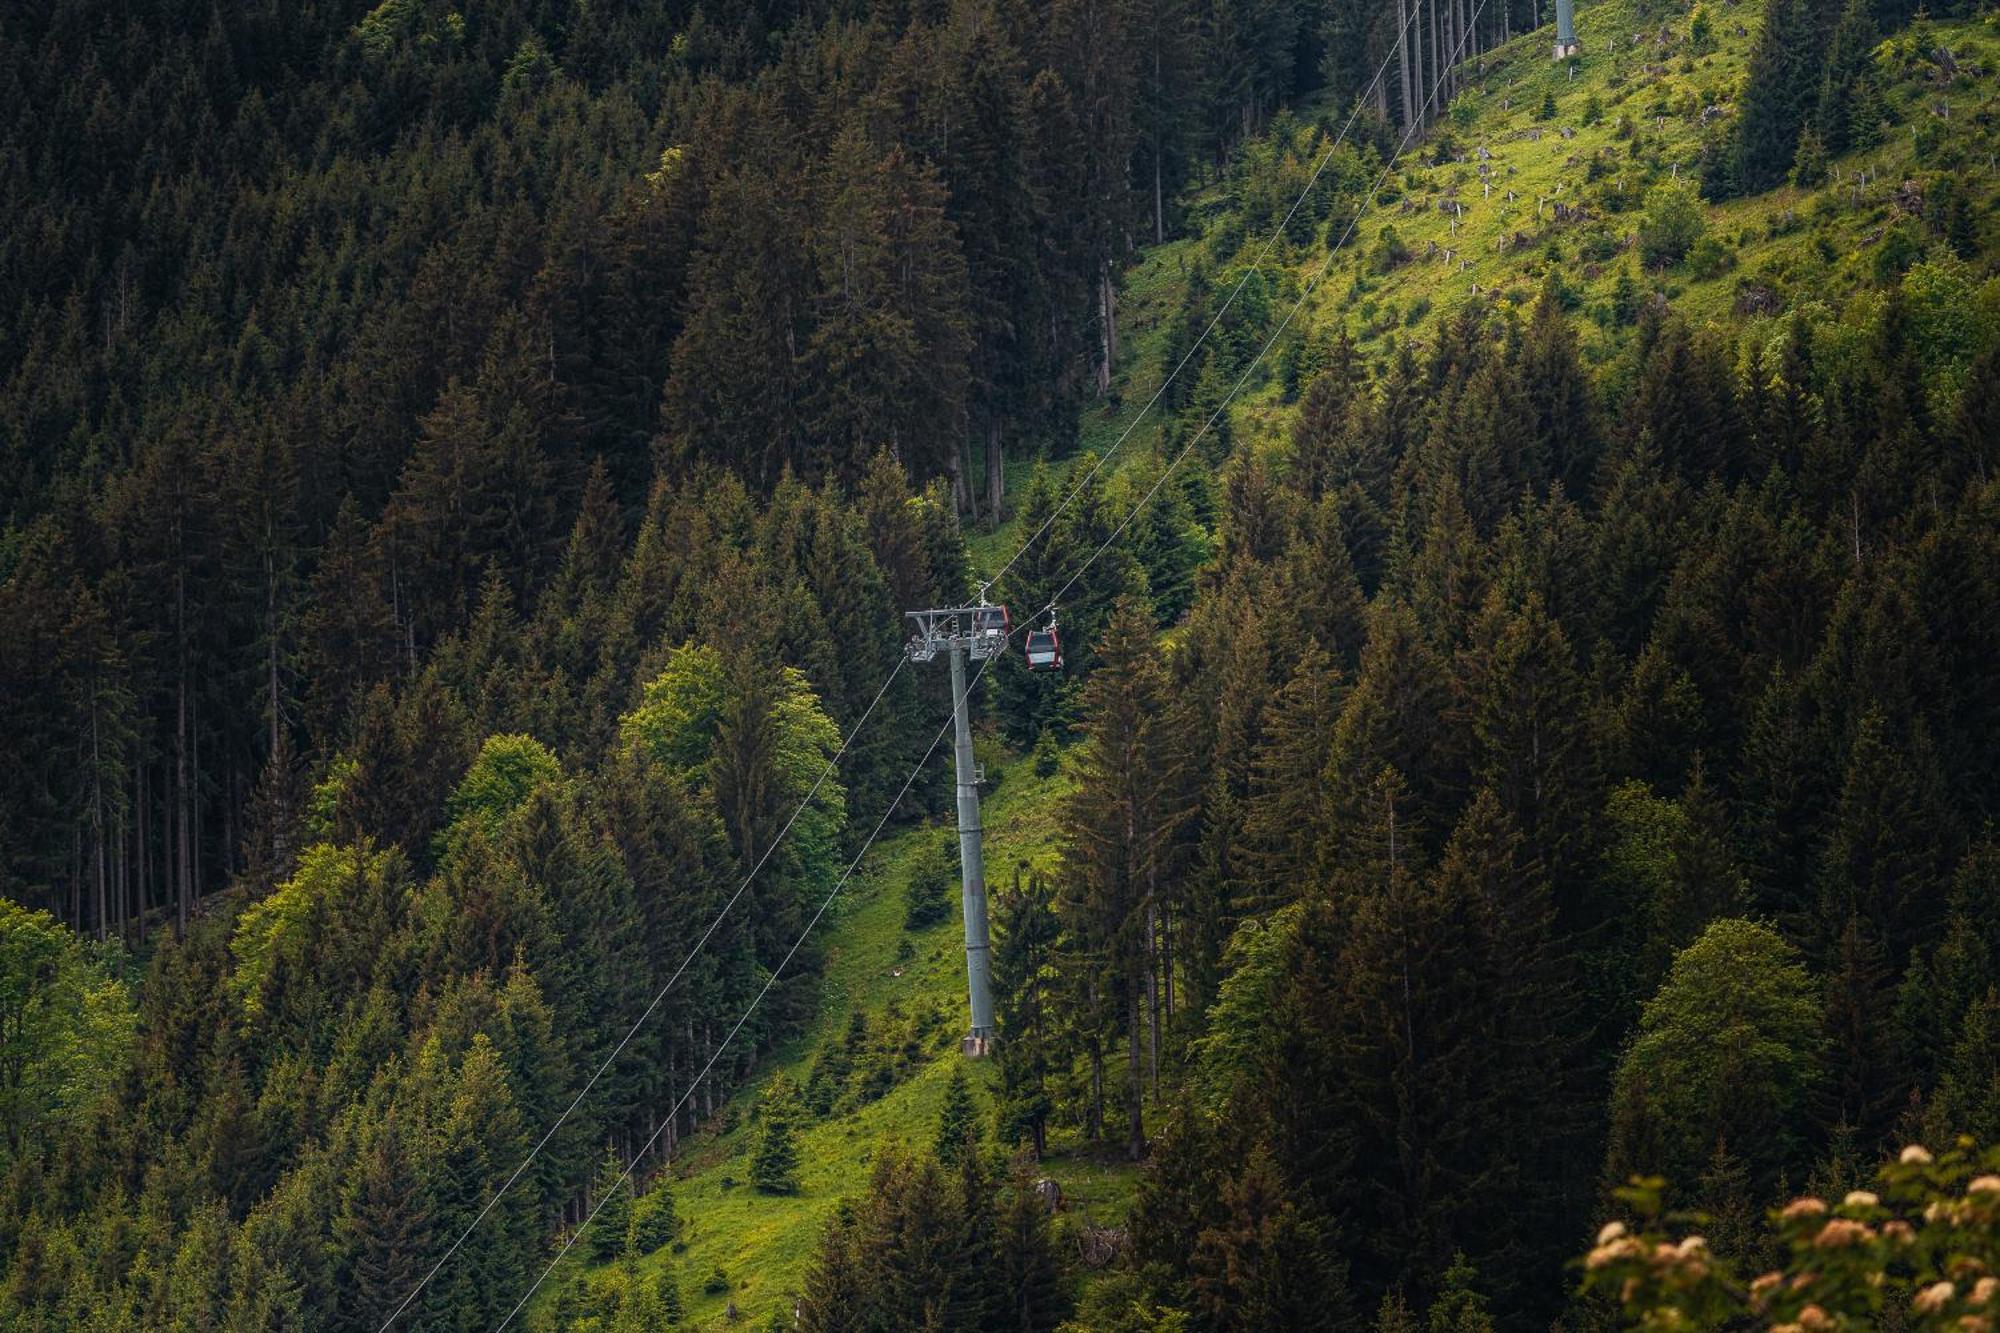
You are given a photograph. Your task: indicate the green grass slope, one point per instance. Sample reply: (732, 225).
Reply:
(1634, 104)
(1636, 108)
(1470, 213)
(913, 1002)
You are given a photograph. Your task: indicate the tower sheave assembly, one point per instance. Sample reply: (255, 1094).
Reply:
(979, 633)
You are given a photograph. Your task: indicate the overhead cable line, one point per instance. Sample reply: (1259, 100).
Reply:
(1249, 271)
(831, 763)
(973, 683)
(1263, 252)
(770, 981)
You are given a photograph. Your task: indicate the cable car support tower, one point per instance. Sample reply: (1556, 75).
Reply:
(1566, 44)
(979, 633)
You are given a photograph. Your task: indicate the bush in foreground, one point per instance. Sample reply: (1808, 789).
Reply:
(1920, 1251)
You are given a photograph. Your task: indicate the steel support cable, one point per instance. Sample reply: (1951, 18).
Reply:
(832, 762)
(770, 981)
(973, 683)
(1312, 284)
(1263, 252)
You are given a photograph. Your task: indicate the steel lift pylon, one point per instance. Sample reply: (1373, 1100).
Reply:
(979, 634)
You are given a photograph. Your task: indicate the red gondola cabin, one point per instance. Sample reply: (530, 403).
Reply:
(1044, 649)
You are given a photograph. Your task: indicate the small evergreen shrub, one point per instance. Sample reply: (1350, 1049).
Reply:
(927, 895)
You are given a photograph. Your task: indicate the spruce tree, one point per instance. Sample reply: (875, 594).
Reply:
(1394, 717)
(927, 896)
(1847, 67)
(1866, 1085)
(383, 1231)
(1268, 1263)
(836, 1295)
(672, 1310)
(1288, 799)
(1320, 579)
(774, 1167)
(1459, 1308)
(1779, 92)
(654, 1221)
(958, 1121)
(1530, 719)
(1967, 1097)
(1891, 840)
(1117, 828)
(612, 1195)
(1023, 970)
(1558, 396)
(1319, 462)
(480, 1128)
(1394, 1314)
(1029, 1275)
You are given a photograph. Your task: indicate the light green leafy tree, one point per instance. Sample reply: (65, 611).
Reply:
(1241, 1040)
(1952, 315)
(296, 921)
(1674, 220)
(501, 779)
(756, 740)
(66, 1025)
(1727, 1052)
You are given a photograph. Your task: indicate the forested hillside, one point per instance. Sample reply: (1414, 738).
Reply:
(1535, 726)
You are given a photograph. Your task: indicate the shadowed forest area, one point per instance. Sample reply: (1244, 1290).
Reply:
(1526, 537)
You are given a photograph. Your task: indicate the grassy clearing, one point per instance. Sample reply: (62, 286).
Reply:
(1637, 108)
(1149, 294)
(1635, 105)
(763, 1243)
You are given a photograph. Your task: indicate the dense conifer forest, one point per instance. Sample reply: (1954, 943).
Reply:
(1526, 763)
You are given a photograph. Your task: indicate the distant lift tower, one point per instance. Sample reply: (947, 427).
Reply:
(1565, 29)
(980, 633)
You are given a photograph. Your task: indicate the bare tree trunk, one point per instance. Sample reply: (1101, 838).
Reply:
(1420, 47)
(97, 822)
(195, 805)
(1107, 328)
(1447, 57)
(1403, 54)
(673, 1135)
(1153, 993)
(1096, 1126)
(1159, 95)
(1451, 54)
(281, 814)
(1159, 202)
(961, 489)
(183, 820)
(707, 1084)
(1438, 59)
(996, 471)
(118, 863)
(143, 846)
(1135, 1124)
